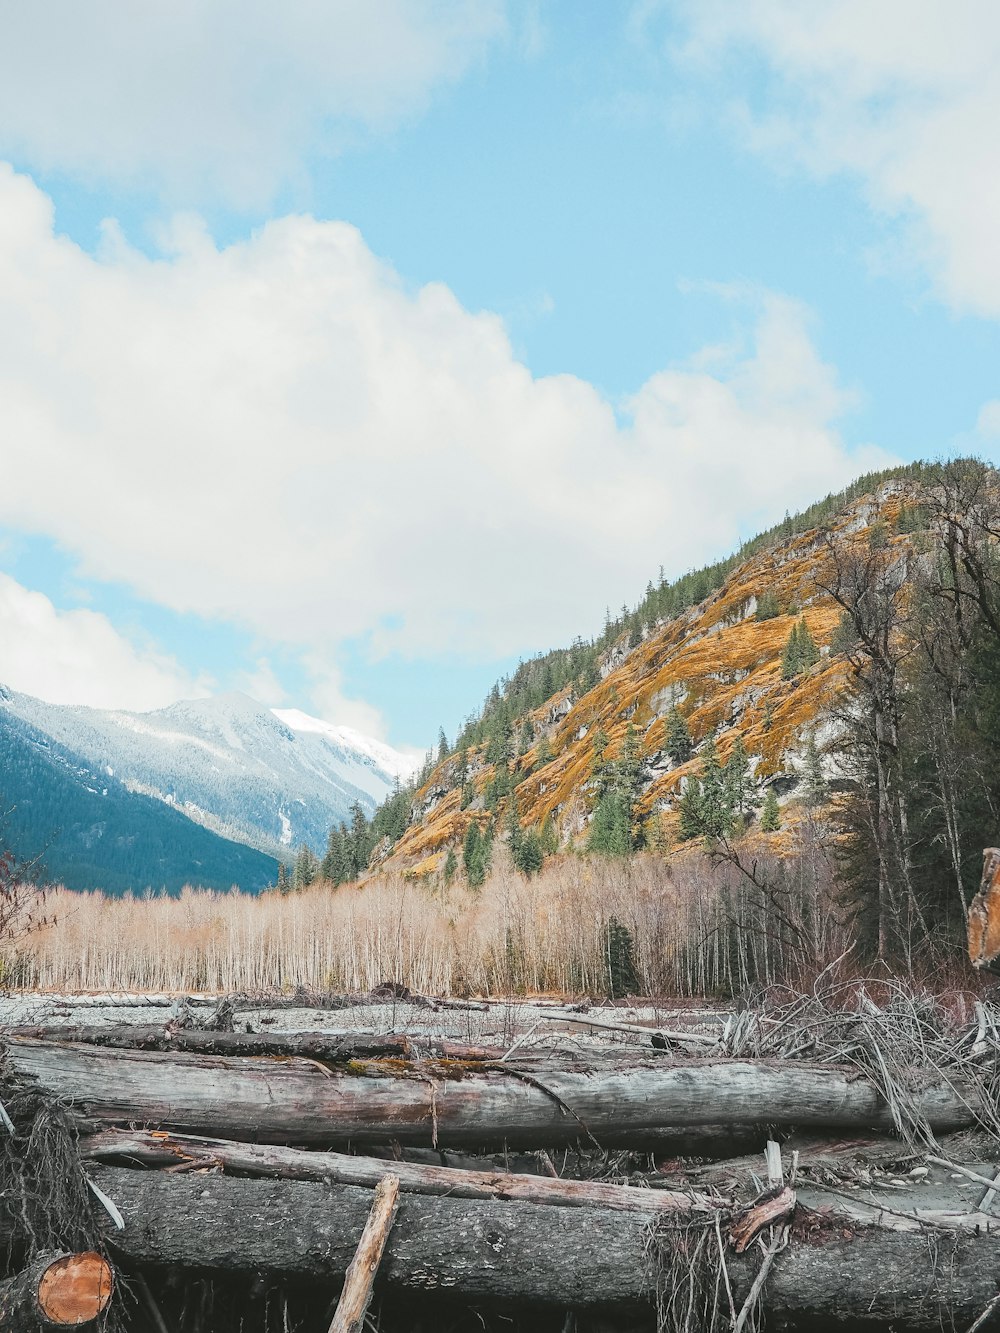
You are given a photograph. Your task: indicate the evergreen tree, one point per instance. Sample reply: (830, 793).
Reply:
(767, 606)
(770, 815)
(450, 865)
(610, 830)
(740, 787)
(526, 738)
(305, 869)
(815, 788)
(544, 754)
(283, 884)
(677, 742)
(476, 855)
(443, 749)
(623, 978)
(800, 651)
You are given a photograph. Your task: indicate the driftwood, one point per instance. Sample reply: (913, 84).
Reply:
(297, 1101)
(512, 1253)
(149, 1148)
(360, 1277)
(56, 1291)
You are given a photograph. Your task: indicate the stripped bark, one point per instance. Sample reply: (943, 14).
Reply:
(297, 1101)
(245, 1159)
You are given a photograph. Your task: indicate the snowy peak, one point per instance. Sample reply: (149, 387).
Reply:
(269, 778)
(383, 756)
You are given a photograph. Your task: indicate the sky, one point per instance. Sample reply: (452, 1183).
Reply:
(351, 353)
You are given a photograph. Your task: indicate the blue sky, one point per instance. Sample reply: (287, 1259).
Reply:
(415, 341)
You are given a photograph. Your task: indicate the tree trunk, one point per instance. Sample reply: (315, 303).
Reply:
(56, 1291)
(296, 1101)
(517, 1253)
(245, 1159)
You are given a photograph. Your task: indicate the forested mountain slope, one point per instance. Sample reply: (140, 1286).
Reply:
(857, 653)
(87, 831)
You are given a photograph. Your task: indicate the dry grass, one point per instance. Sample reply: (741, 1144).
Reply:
(695, 929)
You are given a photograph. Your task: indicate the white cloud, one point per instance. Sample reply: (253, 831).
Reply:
(220, 96)
(281, 435)
(988, 421)
(78, 657)
(904, 95)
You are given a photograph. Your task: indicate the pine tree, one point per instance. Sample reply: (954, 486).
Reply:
(815, 788)
(305, 869)
(770, 815)
(443, 748)
(808, 652)
(623, 978)
(767, 606)
(677, 741)
(791, 661)
(476, 855)
(544, 754)
(740, 787)
(283, 884)
(450, 865)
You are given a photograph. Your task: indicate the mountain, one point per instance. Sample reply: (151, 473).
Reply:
(271, 779)
(88, 831)
(708, 656)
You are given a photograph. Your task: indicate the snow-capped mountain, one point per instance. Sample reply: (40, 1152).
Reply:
(272, 778)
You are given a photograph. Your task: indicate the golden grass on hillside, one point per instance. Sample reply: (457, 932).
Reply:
(694, 929)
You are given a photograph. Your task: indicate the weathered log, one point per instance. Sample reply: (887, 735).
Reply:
(334, 1047)
(294, 1100)
(360, 1277)
(150, 1148)
(56, 1290)
(516, 1253)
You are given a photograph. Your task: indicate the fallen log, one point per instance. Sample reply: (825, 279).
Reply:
(296, 1101)
(55, 1291)
(517, 1253)
(149, 1148)
(335, 1047)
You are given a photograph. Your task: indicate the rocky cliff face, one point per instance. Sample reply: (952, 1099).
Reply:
(720, 663)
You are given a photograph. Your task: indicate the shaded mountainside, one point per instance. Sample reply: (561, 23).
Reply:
(90, 832)
(720, 665)
(270, 779)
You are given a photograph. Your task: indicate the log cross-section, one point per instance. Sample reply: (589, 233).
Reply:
(357, 1293)
(56, 1291)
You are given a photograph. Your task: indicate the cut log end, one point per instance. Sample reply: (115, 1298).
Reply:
(75, 1288)
(57, 1291)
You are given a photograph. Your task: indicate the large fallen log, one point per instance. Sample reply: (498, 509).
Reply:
(56, 1291)
(516, 1253)
(296, 1101)
(334, 1047)
(151, 1148)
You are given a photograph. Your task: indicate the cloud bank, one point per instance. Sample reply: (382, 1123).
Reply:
(78, 657)
(281, 435)
(220, 98)
(904, 96)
